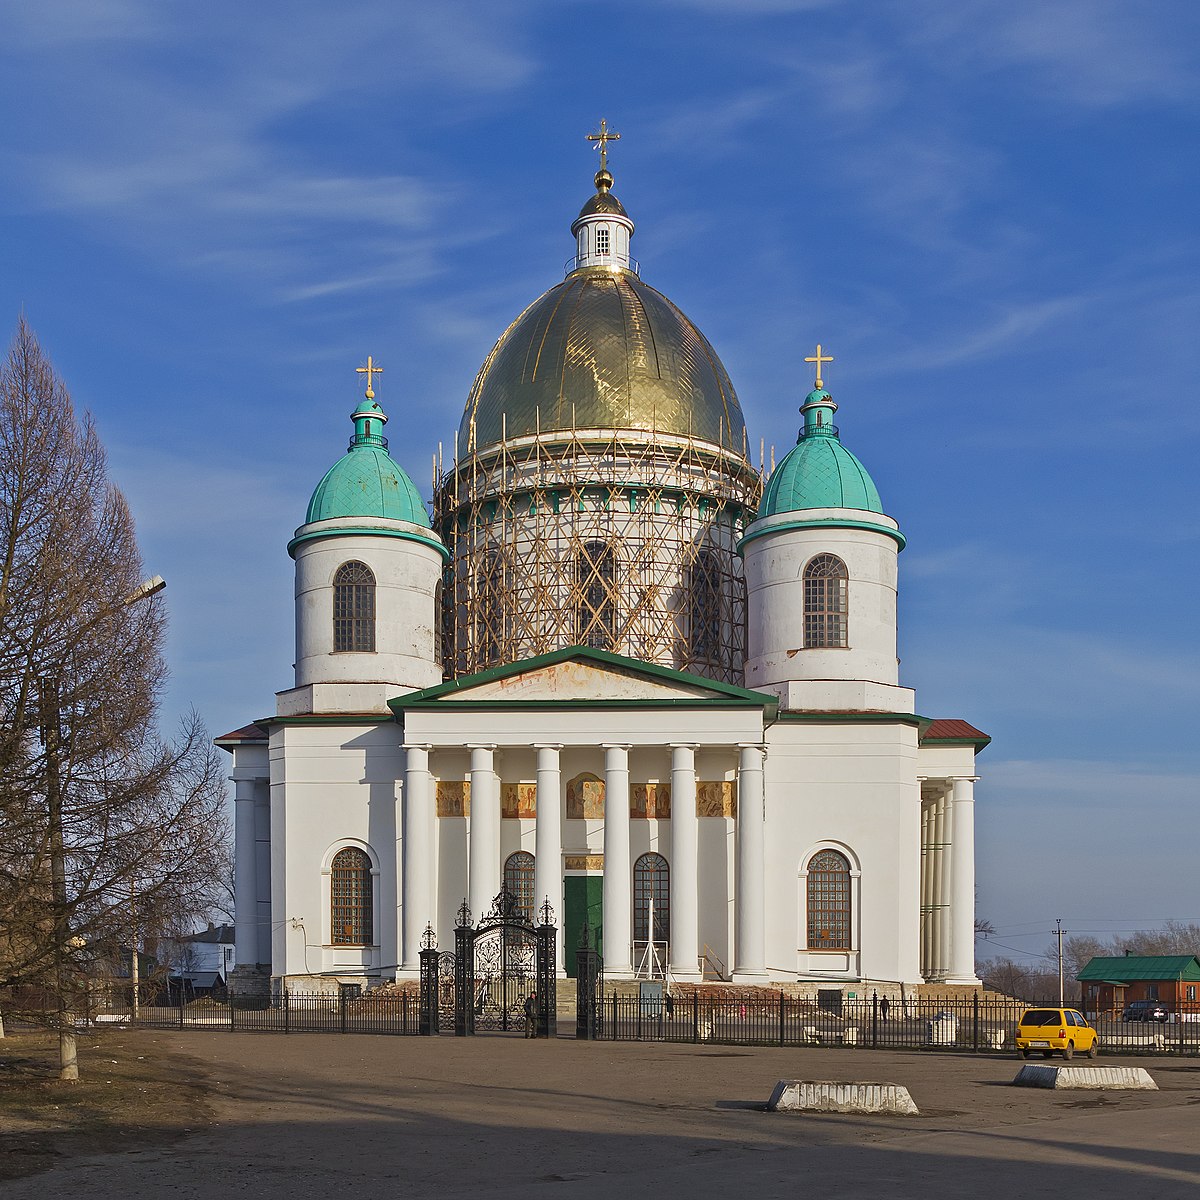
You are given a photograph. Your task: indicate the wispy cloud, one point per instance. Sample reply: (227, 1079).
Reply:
(197, 165)
(1089, 53)
(1013, 324)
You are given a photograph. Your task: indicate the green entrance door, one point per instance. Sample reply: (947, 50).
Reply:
(583, 895)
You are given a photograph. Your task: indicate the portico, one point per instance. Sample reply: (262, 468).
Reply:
(656, 771)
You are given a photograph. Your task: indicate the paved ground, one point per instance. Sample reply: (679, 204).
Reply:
(316, 1115)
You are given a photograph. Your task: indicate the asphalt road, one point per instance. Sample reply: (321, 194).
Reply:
(308, 1116)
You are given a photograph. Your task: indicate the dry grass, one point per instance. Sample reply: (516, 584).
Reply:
(132, 1094)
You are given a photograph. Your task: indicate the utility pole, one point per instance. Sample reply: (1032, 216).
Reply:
(135, 970)
(1059, 932)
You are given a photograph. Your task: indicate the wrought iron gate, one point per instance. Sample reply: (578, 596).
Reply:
(499, 964)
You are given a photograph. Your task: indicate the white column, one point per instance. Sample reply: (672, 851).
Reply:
(618, 871)
(926, 887)
(262, 859)
(418, 907)
(941, 888)
(962, 884)
(483, 870)
(245, 885)
(685, 838)
(547, 857)
(750, 893)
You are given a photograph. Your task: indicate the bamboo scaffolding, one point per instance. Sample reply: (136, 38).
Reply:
(619, 539)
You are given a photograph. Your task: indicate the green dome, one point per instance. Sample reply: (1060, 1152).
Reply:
(365, 482)
(819, 472)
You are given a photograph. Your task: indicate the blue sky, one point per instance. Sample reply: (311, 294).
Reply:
(985, 210)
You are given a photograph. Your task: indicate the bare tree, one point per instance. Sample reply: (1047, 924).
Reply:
(105, 827)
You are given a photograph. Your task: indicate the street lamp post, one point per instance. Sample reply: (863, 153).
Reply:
(51, 720)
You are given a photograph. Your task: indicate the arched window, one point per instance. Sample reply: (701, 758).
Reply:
(828, 901)
(596, 610)
(354, 608)
(518, 882)
(350, 899)
(651, 896)
(704, 608)
(825, 604)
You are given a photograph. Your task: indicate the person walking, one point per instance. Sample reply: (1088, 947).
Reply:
(531, 1015)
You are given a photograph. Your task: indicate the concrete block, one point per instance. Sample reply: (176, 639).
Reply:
(1109, 1079)
(809, 1095)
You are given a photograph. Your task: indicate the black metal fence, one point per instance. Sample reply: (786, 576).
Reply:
(293, 1012)
(953, 1023)
(959, 1023)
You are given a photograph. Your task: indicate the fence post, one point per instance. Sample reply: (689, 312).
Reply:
(427, 1020)
(342, 1008)
(695, 1015)
(181, 1008)
(232, 1010)
(286, 1012)
(781, 1016)
(975, 1022)
(875, 1020)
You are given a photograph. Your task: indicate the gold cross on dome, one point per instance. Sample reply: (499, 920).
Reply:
(602, 139)
(819, 358)
(371, 369)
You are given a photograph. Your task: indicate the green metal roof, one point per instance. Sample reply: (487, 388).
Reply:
(819, 472)
(366, 482)
(1131, 968)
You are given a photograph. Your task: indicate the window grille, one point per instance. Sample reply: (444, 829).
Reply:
(354, 608)
(596, 616)
(651, 881)
(825, 602)
(350, 898)
(828, 901)
(704, 608)
(518, 882)
(601, 241)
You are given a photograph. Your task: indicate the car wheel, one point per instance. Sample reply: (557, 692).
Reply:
(1069, 1051)
(1094, 1049)
(1024, 1053)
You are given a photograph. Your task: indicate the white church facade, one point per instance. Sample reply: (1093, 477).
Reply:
(617, 670)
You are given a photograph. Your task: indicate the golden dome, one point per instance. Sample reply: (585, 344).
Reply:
(602, 350)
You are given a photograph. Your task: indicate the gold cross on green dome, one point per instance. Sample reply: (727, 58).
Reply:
(371, 369)
(602, 138)
(819, 358)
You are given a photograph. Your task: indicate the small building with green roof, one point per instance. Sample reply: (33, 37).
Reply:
(1112, 983)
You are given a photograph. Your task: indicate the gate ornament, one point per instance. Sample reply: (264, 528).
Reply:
(464, 916)
(546, 912)
(428, 938)
(504, 908)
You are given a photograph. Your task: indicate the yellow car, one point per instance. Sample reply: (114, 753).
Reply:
(1051, 1029)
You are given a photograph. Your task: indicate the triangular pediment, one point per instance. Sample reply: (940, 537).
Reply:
(579, 675)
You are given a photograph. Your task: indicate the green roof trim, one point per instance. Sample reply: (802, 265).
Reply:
(1133, 967)
(429, 539)
(329, 719)
(865, 718)
(820, 523)
(721, 695)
